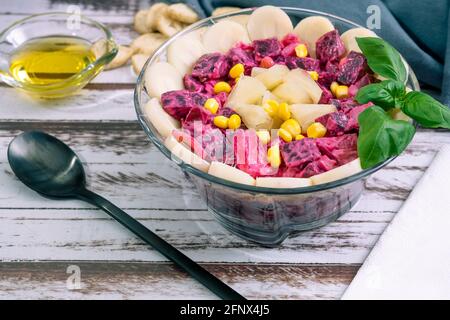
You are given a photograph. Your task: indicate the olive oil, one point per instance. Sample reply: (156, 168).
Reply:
(48, 60)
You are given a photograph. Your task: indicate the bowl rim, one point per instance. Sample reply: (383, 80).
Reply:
(103, 60)
(227, 183)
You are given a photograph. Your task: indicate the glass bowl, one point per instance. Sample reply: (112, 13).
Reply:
(57, 24)
(263, 215)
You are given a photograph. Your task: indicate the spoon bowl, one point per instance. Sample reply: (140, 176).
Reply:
(46, 165)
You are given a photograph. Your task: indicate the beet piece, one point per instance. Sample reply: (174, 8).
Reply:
(343, 104)
(353, 114)
(326, 96)
(362, 82)
(289, 39)
(178, 103)
(289, 51)
(335, 122)
(267, 48)
(239, 55)
(343, 149)
(211, 66)
(329, 47)
(319, 166)
(192, 84)
(308, 64)
(300, 152)
(351, 68)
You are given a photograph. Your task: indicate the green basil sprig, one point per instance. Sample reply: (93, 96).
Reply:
(380, 136)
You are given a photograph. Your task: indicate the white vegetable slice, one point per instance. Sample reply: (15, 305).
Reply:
(349, 38)
(248, 90)
(224, 35)
(343, 171)
(137, 61)
(303, 79)
(242, 19)
(268, 22)
(273, 76)
(183, 53)
(269, 96)
(279, 182)
(161, 77)
(311, 29)
(161, 120)
(254, 116)
(257, 70)
(306, 114)
(227, 172)
(180, 151)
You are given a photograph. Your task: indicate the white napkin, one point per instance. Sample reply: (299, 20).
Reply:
(412, 257)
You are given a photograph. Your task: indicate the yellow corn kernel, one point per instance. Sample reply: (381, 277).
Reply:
(234, 122)
(341, 92)
(264, 136)
(301, 51)
(316, 130)
(299, 137)
(221, 122)
(285, 135)
(333, 87)
(222, 86)
(314, 75)
(271, 107)
(236, 71)
(283, 111)
(211, 105)
(292, 126)
(273, 156)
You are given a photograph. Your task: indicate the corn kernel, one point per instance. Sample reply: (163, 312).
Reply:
(283, 111)
(266, 62)
(236, 71)
(341, 92)
(273, 156)
(301, 51)
(285, 135)
(299, 137)
(271, 107)
(211, 105)
(222, 86)
(314, 75)
(234, 122)
(221, 122)
(264, 136)
(333, 87)
(316, 130)
(292, 126)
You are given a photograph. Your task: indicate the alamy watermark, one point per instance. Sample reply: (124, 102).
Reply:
(374, 19)
(73, 282)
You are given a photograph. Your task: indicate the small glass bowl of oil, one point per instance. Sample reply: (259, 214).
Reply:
(53, 55)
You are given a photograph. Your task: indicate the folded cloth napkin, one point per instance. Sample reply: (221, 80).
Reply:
(412, 257)
(417, 28)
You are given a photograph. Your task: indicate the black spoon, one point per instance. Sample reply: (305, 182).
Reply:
(49, 167)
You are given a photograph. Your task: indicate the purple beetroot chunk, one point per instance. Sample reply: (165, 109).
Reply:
(330, 47)
(192, 84)
(240, 55)
(178, 103)
(300, 152)
(362, 82)
(335, 122)
(289, 39)
(267, 48)
(308, 64)
(319, 166)
(211, 66)
(343, 104)
(326, 95)
(351, 68)
(342, 149)
(353, 114)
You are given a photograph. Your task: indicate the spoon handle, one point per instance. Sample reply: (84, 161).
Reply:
(195, 270)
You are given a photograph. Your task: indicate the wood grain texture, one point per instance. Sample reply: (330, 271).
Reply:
(112, 280)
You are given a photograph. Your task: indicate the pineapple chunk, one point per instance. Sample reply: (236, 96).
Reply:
(273, 76)
(343, 171)
(291, 92)
(254, 116)
(306, 114)
(247, 91)
(303, 79)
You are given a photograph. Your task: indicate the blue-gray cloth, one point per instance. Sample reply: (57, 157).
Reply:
(417, 28)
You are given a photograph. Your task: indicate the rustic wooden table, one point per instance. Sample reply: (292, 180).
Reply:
(41, 241)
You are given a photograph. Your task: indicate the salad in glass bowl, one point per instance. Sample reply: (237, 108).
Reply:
(272, 113)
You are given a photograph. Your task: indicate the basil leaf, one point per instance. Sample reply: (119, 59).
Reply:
(382, 58)
(381, 137)
(427, 111)
(386, 94)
